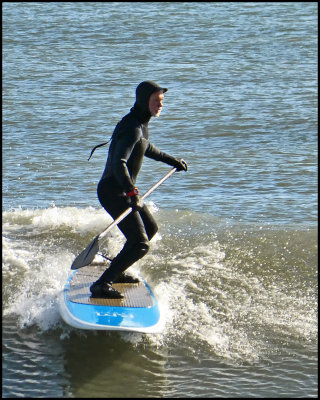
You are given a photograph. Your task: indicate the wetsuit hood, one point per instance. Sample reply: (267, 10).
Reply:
(143, 92)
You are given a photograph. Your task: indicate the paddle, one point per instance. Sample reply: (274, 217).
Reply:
(88, 254)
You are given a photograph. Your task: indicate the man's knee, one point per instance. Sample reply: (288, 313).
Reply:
(153, 231)
(140, 249)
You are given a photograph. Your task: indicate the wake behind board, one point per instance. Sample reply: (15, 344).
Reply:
(138, 311)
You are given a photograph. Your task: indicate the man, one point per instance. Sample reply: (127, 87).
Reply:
(117, 191)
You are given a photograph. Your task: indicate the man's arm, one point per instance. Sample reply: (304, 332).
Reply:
(156, 154)
(121, 153)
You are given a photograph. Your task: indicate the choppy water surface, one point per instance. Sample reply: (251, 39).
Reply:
(235, 261)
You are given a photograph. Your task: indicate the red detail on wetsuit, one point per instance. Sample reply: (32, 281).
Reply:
(133, 192)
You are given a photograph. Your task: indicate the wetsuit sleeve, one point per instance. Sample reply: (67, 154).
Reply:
(153, 152)
(121, 154)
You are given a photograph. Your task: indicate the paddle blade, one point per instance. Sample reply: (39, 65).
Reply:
(87, 256)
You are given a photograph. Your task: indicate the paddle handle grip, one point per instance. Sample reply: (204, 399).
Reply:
(128, 210)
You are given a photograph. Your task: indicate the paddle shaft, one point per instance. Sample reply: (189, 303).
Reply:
(128, 211)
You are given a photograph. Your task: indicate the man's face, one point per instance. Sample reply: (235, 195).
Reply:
(155, 103)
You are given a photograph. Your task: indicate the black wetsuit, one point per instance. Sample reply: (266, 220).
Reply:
(130, 143)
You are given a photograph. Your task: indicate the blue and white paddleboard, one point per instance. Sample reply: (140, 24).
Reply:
(138, 311)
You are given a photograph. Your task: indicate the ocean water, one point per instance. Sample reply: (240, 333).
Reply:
(234, 264)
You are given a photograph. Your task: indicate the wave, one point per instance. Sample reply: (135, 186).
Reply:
(232, 288)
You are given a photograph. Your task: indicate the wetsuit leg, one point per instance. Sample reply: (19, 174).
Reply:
(149, 222)
(136, 246)
(137, 227)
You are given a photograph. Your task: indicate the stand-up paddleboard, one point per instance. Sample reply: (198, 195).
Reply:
(138, 311)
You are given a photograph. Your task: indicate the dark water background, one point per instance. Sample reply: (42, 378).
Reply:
(235, 262)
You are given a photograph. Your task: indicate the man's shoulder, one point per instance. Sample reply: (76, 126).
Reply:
(130, 127)
(130, 121)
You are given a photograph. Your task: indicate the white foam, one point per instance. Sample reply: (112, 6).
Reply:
(76, 219)
(34, 299)
(187, 295)
(13, 258)
(81, 220)
(35, 263)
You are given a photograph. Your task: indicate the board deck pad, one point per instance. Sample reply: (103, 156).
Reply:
(135, 294)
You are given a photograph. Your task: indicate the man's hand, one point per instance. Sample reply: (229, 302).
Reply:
(136, 203)
(134, 200)
(181, 165)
